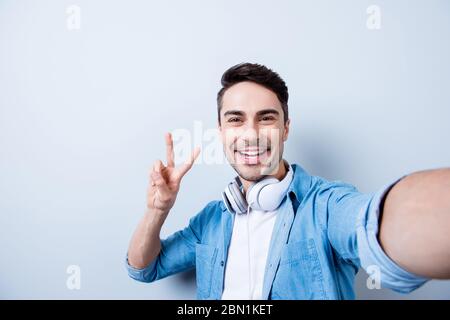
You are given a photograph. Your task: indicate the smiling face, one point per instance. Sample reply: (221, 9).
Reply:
(253, 130)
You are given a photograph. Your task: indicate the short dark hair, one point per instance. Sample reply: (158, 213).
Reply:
(259, 74)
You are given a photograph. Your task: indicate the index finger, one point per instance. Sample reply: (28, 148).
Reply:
(169, 150)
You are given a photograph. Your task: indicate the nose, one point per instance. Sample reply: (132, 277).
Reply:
(250, 133)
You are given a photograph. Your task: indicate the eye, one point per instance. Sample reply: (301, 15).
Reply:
(268, 118)
(234, 119)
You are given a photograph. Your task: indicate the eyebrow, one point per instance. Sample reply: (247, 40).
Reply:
(259, 113)
(233, 113)
(267, 111)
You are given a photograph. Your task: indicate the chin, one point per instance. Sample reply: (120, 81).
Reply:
(252, 172)
(249, 174)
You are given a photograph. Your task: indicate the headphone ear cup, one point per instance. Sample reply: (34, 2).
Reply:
(229, 200)
(227, 203)
(272, 194)
(238, 197)
(254, 191)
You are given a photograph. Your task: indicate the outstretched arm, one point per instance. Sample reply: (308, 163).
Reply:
(415, 223)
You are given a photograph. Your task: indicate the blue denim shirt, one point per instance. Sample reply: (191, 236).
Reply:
(324, 232)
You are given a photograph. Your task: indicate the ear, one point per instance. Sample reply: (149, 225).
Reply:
(286, 130)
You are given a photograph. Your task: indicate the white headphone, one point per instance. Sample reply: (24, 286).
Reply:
(264, 195)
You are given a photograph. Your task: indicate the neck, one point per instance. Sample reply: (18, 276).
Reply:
(280, 173)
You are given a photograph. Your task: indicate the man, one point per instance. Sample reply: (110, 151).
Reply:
(280, 233)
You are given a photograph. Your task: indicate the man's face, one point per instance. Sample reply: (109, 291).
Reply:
(252, 130)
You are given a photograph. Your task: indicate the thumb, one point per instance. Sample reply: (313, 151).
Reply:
(158, 167)
(160, 183)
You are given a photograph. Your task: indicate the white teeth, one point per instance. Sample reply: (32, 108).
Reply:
(252, 153)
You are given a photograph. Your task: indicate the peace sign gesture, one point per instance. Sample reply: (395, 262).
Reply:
(165, 180)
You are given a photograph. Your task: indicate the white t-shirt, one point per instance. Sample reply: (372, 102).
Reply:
(247, 255)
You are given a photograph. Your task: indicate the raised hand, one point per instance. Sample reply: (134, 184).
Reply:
(165, 180)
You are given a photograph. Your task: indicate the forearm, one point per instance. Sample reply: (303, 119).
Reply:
(145, 243)
(415, 223)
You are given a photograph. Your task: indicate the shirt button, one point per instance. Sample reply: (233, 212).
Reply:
(221, 263)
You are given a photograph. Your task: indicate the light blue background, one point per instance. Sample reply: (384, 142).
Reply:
(83, 113)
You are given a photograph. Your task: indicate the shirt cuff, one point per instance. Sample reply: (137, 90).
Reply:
(142, 275)
(371, 254)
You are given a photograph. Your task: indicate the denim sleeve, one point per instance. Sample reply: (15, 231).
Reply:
(372, 255)
(353, 222)
(177, 252)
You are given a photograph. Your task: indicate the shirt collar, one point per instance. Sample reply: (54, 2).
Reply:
(300, 184)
